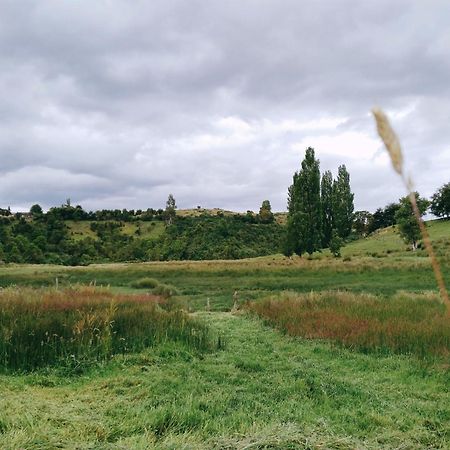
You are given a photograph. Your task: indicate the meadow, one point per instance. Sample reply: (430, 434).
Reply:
(269, 352)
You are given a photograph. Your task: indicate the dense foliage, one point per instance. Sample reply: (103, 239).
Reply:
(383, 217)
(46, 238)
(198, 238)
(304, 208)
(317, 208)
(407, 222)
(440, 202)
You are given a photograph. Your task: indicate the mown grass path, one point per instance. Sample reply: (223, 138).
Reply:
(264, 390)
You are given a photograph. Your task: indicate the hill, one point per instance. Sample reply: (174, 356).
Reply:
(194, 235)
(387, 241)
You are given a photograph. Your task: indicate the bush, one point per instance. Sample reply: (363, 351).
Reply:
(165, 290)
(336, 244)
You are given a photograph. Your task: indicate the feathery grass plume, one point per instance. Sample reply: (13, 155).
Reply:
(390, 139)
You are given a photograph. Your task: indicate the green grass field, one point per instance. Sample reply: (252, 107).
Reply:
(260, 388)
(264, 390)
(387, 241)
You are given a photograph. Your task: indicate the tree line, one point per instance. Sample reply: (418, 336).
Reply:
(321, 211)
(39, 237)
(320, 215)
(68, 212)
(320, 208)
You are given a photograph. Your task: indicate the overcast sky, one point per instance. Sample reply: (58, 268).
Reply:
(116, 104)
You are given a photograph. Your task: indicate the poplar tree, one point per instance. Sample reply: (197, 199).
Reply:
(326, 192)
(343, 206)
(304, 223)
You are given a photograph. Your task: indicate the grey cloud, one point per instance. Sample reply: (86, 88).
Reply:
(118, 96)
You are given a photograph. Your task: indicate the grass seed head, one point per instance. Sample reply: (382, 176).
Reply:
(390, 139)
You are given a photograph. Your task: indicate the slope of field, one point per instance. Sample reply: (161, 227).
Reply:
(387, 241)
(144, 229)
(264, 390)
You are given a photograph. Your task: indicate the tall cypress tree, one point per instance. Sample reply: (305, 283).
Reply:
(304, 218)
(343, 206)
(326, 193)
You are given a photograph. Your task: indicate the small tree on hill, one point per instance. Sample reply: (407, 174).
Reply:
(440, 202)
(336, 244)
(406, 221)
(265, 212)
(36, 210)
(169, 213)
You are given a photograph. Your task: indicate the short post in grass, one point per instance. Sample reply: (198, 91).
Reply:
(235, 301)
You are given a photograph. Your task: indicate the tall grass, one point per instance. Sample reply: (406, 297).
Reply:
(405, 323)
(42, 327)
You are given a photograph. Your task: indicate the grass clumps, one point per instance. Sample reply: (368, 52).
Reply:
(75, 327)
(144, 283)
(405, 324)
(165, 290)
(156, 288)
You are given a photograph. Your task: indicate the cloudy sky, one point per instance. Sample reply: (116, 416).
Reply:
(117, 104)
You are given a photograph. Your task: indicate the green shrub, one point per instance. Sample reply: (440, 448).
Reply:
(165, 290)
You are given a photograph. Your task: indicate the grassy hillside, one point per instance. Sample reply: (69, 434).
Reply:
(50, 239)
(383, 242)
(147, 230)
(387, 241)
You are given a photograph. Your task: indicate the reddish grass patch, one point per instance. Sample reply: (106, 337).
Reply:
(410, 324)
